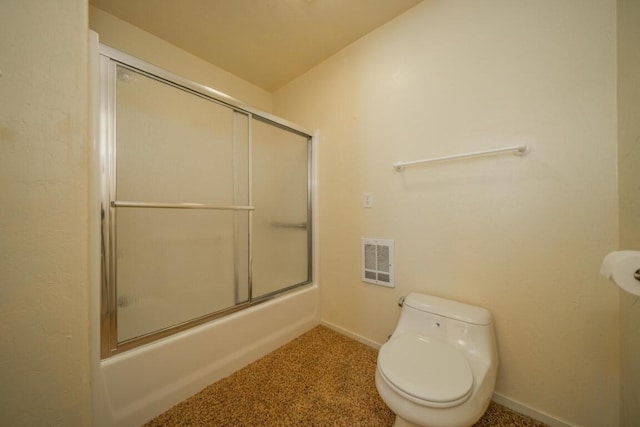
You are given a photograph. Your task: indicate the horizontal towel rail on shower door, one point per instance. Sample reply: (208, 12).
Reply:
(519, 150)
(300, 225)
(124, 204)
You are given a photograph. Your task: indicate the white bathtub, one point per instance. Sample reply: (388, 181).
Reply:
(133, 387)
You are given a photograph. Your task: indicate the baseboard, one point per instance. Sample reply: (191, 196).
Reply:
(529, 412)
(350, 334)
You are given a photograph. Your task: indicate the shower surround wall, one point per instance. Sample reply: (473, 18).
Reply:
(521, 236)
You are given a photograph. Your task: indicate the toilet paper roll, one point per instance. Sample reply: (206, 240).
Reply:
(620, 267)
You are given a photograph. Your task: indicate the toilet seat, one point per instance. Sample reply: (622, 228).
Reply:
(427, 372)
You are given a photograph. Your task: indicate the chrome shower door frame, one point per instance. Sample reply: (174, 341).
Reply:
(110, 59)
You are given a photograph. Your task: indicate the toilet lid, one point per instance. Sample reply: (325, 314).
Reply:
(426, 370)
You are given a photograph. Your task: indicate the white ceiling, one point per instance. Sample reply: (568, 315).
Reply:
(266, 42)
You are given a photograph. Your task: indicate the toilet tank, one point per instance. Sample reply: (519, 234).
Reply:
(467, 327)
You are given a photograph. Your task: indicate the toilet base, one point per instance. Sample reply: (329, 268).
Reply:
(401, 422)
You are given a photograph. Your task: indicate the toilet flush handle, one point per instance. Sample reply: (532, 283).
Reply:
(401, 301)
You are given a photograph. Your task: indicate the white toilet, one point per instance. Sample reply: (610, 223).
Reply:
(439, 367)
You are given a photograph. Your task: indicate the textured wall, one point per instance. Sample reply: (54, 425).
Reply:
(523, 237)
(44, 331)
(629, 176)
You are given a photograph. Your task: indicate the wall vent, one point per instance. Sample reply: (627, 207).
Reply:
(377, 262)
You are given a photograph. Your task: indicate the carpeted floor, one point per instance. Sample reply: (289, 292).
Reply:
(321, 378)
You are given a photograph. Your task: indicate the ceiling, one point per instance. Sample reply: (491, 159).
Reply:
(265, 42)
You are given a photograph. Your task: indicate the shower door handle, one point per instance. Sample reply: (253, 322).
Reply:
(300, 225)
(126, 204)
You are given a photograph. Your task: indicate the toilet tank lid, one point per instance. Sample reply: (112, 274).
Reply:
(447, 308)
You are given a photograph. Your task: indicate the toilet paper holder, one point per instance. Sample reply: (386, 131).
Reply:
(621, 267)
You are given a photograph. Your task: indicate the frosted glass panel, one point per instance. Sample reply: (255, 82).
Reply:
(176, 265)
(280, 194)
(173, 146)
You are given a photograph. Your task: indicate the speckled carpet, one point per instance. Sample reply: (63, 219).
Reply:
(321, 378)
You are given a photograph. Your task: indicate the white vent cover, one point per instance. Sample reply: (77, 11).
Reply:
(377, 261)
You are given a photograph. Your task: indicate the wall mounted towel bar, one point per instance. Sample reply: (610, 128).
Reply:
(519, 150)
(123, 204)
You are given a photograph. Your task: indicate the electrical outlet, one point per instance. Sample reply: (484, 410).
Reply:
(367, 200)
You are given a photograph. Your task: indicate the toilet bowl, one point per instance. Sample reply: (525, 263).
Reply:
(439, 366)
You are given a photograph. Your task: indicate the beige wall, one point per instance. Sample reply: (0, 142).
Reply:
(129, 39)
(523, 237)
(629, 176)
(44, 325)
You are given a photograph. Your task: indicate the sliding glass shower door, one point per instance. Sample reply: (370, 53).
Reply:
(181, 173)
(177, 263)
(281, 196)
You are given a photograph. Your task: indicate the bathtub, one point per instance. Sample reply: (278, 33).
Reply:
(132, 388)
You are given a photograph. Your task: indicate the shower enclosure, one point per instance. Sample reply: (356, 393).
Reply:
(206, 204)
